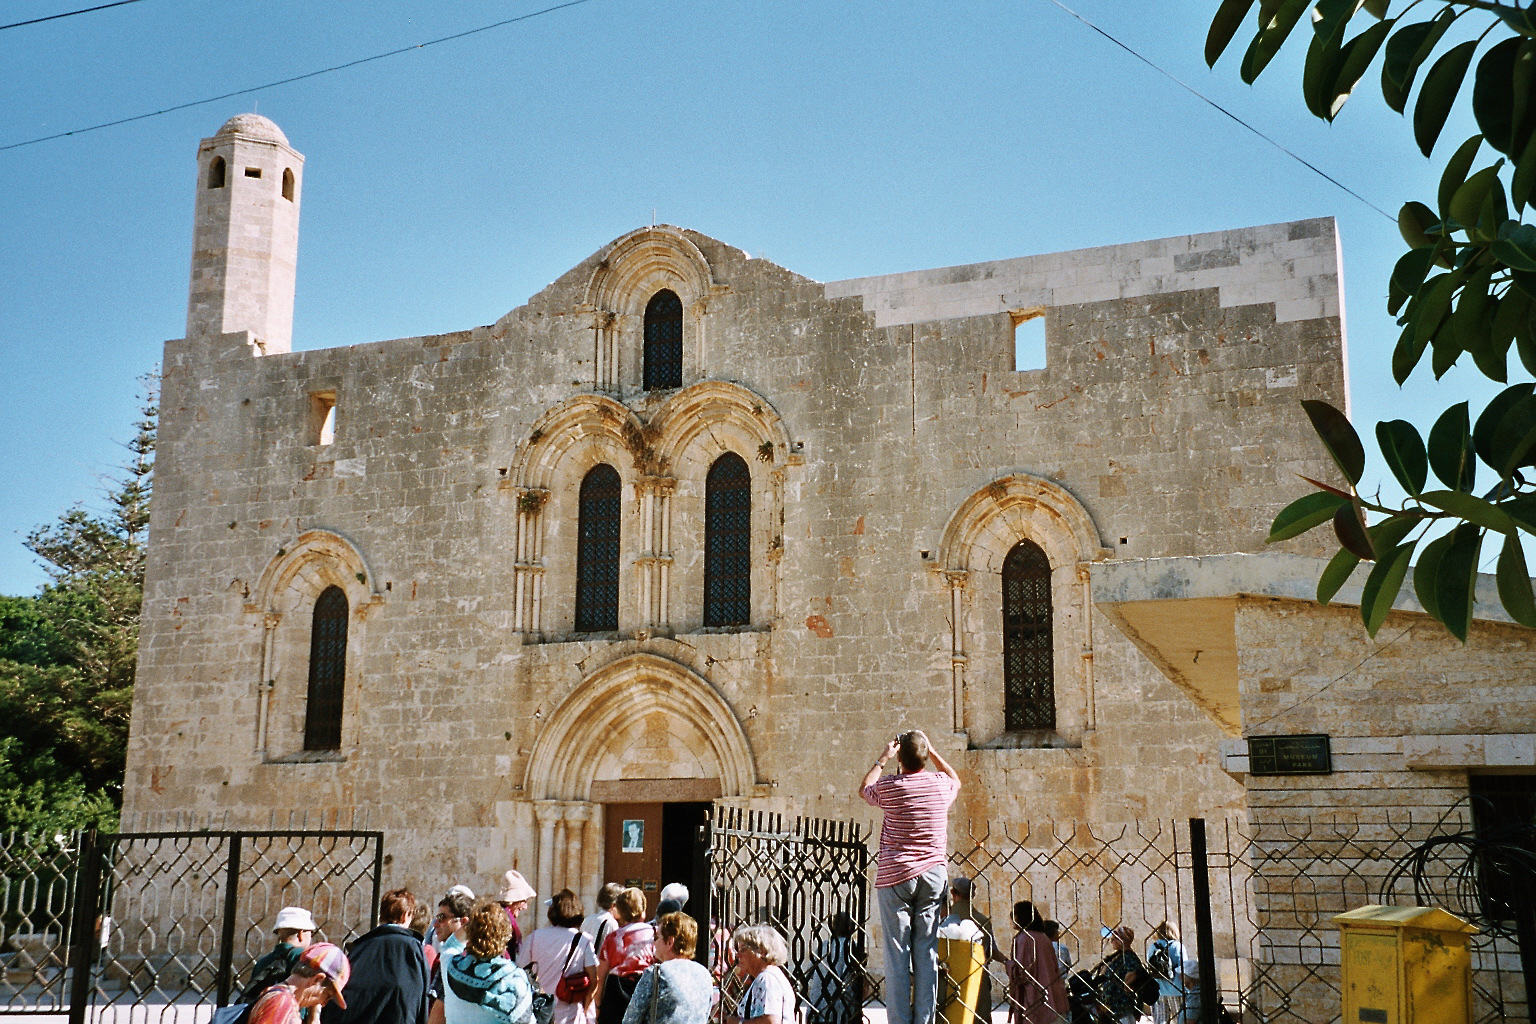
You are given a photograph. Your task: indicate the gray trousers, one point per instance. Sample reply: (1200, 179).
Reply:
(909, 917)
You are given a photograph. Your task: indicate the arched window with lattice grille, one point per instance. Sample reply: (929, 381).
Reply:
(663, 341)
(327, 671)
(1029, 691)
(597, 550)
(728, 542)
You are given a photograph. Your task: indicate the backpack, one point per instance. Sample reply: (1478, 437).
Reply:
(1161, 961)
(235, 1013)
(1146, 989)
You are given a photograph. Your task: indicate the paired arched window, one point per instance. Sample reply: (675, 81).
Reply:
(216, 172)
(728, 542)
(597, 550)
(1029, 691)
(327, 671)
(663, 341)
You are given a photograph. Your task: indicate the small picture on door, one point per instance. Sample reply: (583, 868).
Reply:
(632, 836)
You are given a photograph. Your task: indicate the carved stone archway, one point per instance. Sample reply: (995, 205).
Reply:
(626, 721)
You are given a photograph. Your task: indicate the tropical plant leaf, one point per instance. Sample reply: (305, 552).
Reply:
(1471, 508)
(1414, 221)
(1428, 571)
(1492, 88)
(1408, 48)
(1382, 586)
(1341, 492)
(1301, 515)
(1229, 18)
(1450, 449)
(1512, 440)
(1492, 446)
(1403, 448)
(1434, 305)
(1330, 19)
(1353, 60)
(1336, 574)
(1339, 436)
(1516, 246)
(1278, 20)
(1455, 172)
(1521, 181)
(1515, 583)
(1407, 353)
(1439, 93)
(1522, 510)
(1468, 200)
(1412, 267)
(1349, 527)
(1456, 580)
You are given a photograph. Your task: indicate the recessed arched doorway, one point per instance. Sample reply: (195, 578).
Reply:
(624, 772)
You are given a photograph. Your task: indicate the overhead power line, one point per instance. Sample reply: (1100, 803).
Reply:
(295, 78)
(1197, 93)
(67, 14)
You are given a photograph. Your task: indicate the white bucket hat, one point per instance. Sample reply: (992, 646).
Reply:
(294, 917)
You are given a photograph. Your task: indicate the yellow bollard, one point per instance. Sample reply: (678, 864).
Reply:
(961, 965)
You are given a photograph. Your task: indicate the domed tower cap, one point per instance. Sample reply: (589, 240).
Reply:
(254, 126)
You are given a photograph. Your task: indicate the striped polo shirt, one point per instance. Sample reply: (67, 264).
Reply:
(915, 831)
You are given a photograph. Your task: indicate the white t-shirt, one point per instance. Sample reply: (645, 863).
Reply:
(601, 921)
(547, 949)
(771, 993)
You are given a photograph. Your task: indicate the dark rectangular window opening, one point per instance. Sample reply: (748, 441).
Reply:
(253, 172)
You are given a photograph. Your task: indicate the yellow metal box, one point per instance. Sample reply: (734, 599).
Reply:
(1405, 965)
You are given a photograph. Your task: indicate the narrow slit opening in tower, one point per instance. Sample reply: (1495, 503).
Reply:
(253, 172)
(1029, 340)
(322, 417)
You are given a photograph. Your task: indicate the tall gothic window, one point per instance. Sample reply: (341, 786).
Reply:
(327, 671)
(597, 551)
(663, 341)
(1029, 692)
(728, 543)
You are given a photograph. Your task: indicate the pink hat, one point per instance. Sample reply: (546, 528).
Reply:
(327, 960)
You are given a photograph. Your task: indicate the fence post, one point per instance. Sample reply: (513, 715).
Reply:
(87, 896)
(378, 879)
(227, 928)
(701, 869)
(1205, 952)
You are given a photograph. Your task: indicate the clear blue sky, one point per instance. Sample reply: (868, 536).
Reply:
(446, 185)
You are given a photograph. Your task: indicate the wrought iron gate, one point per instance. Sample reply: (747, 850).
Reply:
(150, 922)
(809, 878)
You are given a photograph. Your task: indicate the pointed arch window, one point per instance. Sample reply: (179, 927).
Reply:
(597, 551)
(1029, 692)
(728, 542)
(327, 671)
(663, 341)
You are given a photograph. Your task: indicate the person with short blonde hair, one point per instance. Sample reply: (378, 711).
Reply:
(679, 988)
(760, 954)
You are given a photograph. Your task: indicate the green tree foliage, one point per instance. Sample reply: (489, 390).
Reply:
(1466, 286)
(67, 656)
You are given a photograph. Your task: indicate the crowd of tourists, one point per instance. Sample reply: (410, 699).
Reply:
(470, 963)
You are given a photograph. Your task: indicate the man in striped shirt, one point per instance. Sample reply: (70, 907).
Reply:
(910, 879)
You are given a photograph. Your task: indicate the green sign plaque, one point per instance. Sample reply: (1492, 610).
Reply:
(1290, 755)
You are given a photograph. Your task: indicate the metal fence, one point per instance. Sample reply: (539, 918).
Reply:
(809, 879)
(143, 923)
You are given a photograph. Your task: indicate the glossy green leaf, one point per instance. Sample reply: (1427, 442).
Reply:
(1456, 580)
(1411, 268)
(1492, 88)
(1467, 201)
(1517, 18)
(1522, 510)
(1522, 84)
(1376, 8)
(1352, 62)
(1438, 94)
(1515, 583)
(1428, 571)
(1403, 448)
(1408, 48)
(1521, 182)
(1450, 449)
(1407, 353)
(1455, 172)
(1512, 441)
(1471, 508)
(1229, 18)
(1519, 250)
(1392, 531)
(1339, 436)
(1525, 280)
(1301, 515)
(1336, 574)
(1349, 527)
(1272, 34)
(1525, 342)
(1473, 324)
(1490, 447)
(1413, 222)
(1330, 18)
(1433, 304)
(1382, 586)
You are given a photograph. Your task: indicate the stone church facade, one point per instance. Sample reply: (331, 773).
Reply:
(688, 527)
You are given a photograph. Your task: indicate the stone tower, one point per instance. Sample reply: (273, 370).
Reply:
(246, 237)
